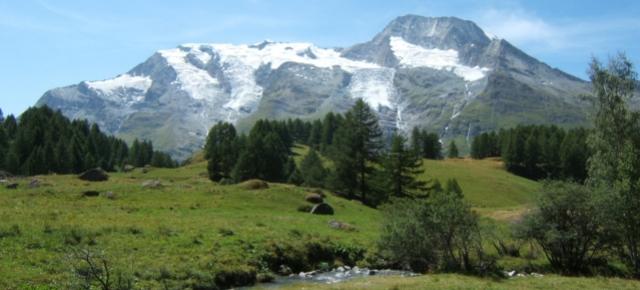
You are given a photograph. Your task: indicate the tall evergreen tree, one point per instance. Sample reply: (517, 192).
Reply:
(221, 151)
(4, 147)
(330, 124)
(453, 150)
(315, 136)
(358, 143)
(10, 126)
(400, 167)
(312, 171)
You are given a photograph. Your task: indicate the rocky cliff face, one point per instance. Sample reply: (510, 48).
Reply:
(444, 74)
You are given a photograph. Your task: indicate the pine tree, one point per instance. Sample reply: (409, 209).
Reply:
(10, 126)
(12, 161)
(452, 186)
(400, 168)
(416, 141)
(63, 158)
(431, 147)
(358, 143)
(221, 151)
(330, 124)
(4, 147)
(453, 150)
(312, 171)
(532, 152)
(315, 136)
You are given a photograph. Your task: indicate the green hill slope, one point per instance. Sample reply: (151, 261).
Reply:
(191, 229)
(486, 184)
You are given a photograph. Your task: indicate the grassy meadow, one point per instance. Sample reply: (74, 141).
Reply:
(190, 232)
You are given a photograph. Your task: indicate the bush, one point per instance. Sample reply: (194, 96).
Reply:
(254, 184)
(439, 233)
(566, 226)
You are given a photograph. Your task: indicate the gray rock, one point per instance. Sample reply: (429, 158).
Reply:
(34, 183)
(94, 175)
(322, 209)
(152, 184)
(13, 185)
(341, 226)
(284, 270)
(314, 198)
(109, 195)
(128, 168)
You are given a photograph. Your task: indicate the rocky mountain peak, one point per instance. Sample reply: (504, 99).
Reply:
(436, 32)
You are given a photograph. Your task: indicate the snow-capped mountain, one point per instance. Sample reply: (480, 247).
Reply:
(444, 74)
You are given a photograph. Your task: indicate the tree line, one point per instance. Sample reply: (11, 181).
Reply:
(537, 151)
(347, 154)
(44, 141)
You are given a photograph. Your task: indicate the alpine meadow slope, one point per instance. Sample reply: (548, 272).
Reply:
(443, 74)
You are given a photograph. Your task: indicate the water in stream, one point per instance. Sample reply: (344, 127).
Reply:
(337, 275)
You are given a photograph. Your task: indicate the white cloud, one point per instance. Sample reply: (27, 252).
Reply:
(528, 30)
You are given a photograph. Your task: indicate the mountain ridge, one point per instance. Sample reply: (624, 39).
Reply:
(444, 74)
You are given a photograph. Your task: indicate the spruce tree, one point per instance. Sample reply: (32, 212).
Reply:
(4, 147)
(358, 145)
(315, 136)
(221, 151)
(330, 124)
(312, 171)
(400, 167)
(12, 161)
(453, 150)
(10, 126)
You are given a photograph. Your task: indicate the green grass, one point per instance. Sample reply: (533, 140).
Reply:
(193, 226)
(485, 183)
(176, 227)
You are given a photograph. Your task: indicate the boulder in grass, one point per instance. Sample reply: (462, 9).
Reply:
(128, 168)
(341, 226)
(94, 175)
(314, 198)
(34, 183)
(12, 185)
(153, 184)
(109, 195)
(322, 209)
(254, 184)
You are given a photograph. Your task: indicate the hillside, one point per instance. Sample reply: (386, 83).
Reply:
(191, 229)
(486, 184)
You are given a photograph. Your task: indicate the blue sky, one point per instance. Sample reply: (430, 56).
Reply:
(46, 43)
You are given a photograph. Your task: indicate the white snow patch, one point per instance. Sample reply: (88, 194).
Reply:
(194, 49)
(411, 55)
(195, 81)
(125, 81)
(277, 53)
(374, 86)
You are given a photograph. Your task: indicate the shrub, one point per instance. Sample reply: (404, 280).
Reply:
(565, 224)
(438, 233)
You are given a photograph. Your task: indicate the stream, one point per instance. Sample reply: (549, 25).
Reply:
(336, 275)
